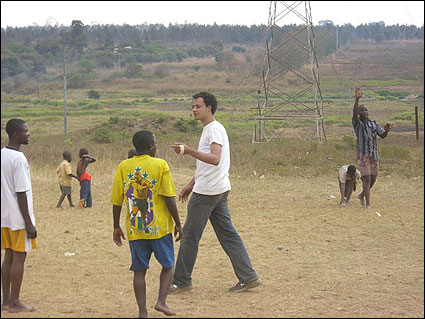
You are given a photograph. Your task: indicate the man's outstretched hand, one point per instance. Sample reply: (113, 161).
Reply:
(359, 93)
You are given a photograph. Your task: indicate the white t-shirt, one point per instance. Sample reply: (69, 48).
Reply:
(343, 174)
(15, 178)
(211, 179)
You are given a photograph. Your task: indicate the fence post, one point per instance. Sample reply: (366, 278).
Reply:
(417, 123)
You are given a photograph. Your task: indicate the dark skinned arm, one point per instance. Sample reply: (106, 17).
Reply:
(118, 233)
(23, 207)
(73, 175)
(387, 129)
(172, 207)
(89, 159)
(356, 105)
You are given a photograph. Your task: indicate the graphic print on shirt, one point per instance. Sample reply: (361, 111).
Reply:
(139, 191)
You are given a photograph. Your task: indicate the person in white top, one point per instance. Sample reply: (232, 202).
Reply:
(210, 187)
(347, 177)
(18, 230)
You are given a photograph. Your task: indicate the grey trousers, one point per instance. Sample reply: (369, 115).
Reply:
(215, 208)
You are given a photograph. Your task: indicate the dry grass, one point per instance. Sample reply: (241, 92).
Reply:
(339, 262)
(315, 258)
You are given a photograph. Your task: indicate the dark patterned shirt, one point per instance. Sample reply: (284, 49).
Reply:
(366, 131)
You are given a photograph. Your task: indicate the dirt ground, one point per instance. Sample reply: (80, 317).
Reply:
(315, 258)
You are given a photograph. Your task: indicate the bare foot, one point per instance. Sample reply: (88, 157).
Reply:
(20, 307)
(361, 200)
(143, 314)
(343, 204)
(367, 207)
(5, 306)
(164, 309)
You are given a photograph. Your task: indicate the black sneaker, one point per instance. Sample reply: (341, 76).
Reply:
(240, 286)
(176, 289)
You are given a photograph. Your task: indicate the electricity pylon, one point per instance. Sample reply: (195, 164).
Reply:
(290, 74)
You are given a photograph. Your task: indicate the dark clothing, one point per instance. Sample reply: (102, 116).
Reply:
(215, 208)
(85, 193)
(366, 131)
(65, 190)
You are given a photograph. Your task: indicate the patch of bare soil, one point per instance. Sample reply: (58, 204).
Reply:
(315, 259)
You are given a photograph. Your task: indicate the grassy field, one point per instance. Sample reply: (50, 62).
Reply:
(315, 258)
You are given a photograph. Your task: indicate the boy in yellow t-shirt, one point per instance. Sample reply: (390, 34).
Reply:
(65, 174)
(146, 186)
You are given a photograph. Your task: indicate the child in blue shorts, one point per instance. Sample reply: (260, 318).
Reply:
(146, 186)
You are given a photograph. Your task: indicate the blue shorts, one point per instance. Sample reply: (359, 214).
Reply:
(141, 251)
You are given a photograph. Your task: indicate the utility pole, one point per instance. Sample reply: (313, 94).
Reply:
(64, 95)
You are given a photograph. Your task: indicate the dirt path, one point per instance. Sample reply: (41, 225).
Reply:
(315, 258)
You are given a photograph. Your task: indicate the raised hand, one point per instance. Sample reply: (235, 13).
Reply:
(387, 127)
(359, 93)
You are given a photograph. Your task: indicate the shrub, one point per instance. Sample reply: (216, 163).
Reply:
(102, 135)
(113, 120)
(187, 125)
(160, 121)
(93, 94)
(133, 70)
(239, 49)
(77, 81)
(161, 71)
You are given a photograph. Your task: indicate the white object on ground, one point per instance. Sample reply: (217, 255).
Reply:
(378, 214)
(332, 196)
(69, 254)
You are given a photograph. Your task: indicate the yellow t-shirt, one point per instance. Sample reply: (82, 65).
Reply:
(142, 181)
(63, 170)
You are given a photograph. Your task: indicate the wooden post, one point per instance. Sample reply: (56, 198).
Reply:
(38, 88)
(417, 123)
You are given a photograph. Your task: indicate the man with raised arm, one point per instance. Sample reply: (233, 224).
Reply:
(367, 149)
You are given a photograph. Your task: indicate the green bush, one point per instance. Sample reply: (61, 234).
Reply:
(239, 49)
(187, 125)
(93, 94)
(113, 120)
(160, 121)
(161, 71)
(102, 135)
(133, 71)
(77, 81)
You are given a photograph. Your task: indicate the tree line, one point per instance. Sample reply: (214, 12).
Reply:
(32, 49)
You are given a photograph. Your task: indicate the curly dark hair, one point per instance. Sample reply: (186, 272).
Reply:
(209, 100)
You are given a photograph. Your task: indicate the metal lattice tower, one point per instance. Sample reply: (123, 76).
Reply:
(290, 74)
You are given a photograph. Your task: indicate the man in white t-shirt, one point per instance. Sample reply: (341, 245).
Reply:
(347, 177)
(210, 187)
(18, 230)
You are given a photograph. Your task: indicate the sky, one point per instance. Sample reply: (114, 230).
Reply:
(30, 13)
